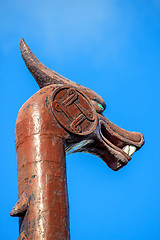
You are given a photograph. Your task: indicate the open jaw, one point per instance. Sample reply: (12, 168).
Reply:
(121, 144)
(112, 144)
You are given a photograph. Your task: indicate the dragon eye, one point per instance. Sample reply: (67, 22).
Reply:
(100, 106)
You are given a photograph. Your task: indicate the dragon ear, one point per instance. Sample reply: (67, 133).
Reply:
(74, 110)
(43, 75)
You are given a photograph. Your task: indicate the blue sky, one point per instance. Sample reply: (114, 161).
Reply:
(112, 47)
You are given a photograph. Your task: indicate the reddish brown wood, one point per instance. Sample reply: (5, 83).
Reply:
(41, 171)
(61, 115)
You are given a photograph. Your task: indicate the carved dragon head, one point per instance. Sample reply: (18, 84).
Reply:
(79, 111)
(62, 117)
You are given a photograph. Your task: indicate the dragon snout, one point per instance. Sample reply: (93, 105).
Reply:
(120, 144)
(112, 144)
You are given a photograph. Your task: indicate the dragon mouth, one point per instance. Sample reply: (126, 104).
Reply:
(112, 144)
(116, 143)
(113, 141)
(121, 144)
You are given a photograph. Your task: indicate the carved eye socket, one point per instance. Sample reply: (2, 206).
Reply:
(98, 106)
(101, 107)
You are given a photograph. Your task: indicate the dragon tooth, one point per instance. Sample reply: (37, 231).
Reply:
(132, 149)
(126, 149)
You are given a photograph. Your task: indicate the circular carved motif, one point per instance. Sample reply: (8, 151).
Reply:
(74, 111)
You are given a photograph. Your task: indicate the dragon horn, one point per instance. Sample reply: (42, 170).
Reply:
(43, 75)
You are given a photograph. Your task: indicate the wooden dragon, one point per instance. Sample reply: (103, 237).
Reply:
(61, 117)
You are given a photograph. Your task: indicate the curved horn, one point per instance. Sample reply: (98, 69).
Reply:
(43, 75)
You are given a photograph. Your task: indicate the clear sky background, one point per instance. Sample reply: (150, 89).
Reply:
(112, 47)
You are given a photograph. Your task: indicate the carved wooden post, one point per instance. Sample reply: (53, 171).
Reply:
(61, 116)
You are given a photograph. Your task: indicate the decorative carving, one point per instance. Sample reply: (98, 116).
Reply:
(62, 116)
(74, 111)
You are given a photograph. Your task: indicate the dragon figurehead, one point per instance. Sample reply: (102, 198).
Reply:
(104, 139)
(62, 117)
